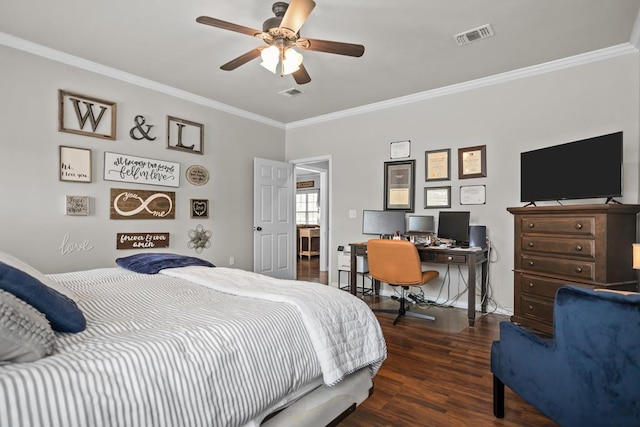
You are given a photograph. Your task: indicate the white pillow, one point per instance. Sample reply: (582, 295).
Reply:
(26, 268)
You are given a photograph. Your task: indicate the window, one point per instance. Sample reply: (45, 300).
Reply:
(307, 207)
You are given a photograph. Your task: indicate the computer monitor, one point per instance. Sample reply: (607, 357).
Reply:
(454, 226)
(383, 223)
(420, 224)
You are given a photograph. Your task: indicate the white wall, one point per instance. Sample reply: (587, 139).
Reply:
(32, 219)
(510, 117)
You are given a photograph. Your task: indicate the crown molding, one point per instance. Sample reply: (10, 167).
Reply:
(65, 58)
(573, 61)
(548, 67)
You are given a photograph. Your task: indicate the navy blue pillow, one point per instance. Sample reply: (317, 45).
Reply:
(151, 263)
(62, 313)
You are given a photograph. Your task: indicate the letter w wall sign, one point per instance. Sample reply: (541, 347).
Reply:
(140, 204)
(84, 115)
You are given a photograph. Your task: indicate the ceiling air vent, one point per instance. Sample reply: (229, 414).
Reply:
(291, 92)
(473, 35)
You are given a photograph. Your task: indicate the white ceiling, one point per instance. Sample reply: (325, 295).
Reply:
(409, 44)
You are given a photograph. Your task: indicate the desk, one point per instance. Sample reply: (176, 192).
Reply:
(471, 257)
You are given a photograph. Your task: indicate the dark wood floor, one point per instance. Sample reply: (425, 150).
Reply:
(434, 377)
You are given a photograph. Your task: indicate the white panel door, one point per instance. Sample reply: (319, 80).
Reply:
(273, 219)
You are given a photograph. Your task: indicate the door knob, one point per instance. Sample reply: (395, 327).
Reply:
(257, 228)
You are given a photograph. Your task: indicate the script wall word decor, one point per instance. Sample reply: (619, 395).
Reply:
(141, 130)
(199, 208)
(77, 205)
(185, 135)
(142, 240)
(125, 168)
(197, 175)
(85, 115)
(67, 246)
(199, 239)
(75, 164)
(140, 204)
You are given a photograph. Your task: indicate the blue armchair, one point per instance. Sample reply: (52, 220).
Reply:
(588, 374)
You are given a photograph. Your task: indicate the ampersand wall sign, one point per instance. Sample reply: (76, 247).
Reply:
(138, 132)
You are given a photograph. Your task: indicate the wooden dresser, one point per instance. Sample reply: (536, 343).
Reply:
(582, 245)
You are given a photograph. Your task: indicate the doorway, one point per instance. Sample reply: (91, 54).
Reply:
(313, 189)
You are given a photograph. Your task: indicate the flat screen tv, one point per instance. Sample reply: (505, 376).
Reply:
(589, 168)
(382, 223)
(454, 226)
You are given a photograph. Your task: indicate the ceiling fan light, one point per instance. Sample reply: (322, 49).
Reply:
(291, 61)
(270, 58)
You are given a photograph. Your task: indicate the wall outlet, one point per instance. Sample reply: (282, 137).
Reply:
(232, 260)
(352, 213)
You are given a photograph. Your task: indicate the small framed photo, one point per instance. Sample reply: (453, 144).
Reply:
(437, 165)
(473, 195)
(75, 164)
(185, 135)
(400, 149)
(472, 162)
(437, 197)
(199, 208)
(77, 205)
(399, 183)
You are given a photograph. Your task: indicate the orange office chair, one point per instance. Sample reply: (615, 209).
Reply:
(397, 263)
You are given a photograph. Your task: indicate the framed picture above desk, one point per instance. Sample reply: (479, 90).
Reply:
(472, 258)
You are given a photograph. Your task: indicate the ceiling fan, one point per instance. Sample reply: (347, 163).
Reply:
(281, 34)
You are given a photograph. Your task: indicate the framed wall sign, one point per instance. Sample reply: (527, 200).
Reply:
(472, 162)
(85, 115)
(125, 168)
(199, 208)
(437, 197)
(197, 175)
(437, 164)
(185, 135)
(77, 205)
(472, 195)
(75, 164)
(399, 183)
(400, 149)
(142, 240)
(141, 204)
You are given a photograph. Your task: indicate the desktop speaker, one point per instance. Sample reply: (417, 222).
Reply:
(478, 236)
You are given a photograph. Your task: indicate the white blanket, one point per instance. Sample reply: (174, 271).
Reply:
(344, 331)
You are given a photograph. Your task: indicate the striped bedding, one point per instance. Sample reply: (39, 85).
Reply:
(163, 351)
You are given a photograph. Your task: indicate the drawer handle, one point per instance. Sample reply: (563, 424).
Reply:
(578, 248)
(578, 226)
(530, 307)
(530, 244)
(578, 269)
(449, 258)
(530, 225)
(531, 284)
(530, 263)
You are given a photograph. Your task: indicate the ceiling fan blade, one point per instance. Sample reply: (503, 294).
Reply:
(348, 49)
(218, 23)
(297, 12)
(301, 76)
(242, 59)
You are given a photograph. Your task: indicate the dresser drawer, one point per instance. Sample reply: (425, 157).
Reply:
(582, 225)
(536, 308)
(572, 247)
(581, 270)
(539, 286)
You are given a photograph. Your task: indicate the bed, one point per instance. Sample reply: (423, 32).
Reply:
(197, 346)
